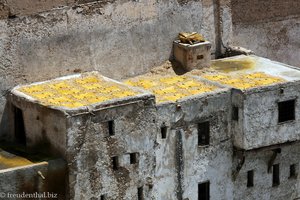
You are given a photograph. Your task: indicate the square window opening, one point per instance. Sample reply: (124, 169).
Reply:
(250, 178)
(203, 133)
(286, 111)
(276, 175)
(163, 131)
(203, 191)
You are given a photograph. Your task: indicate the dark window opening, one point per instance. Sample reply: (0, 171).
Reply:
(203, 133)
(150, 186)
(276, 179)
(286, 111)
(235, 113)
(250, 178)
(163, 131)
(293, 173)
(111, 127)
(133, 158)
(103, 197)
(140, 193)
(200, 57)
(20, 134)
(115, 163)
(281, 90)
(203, 191)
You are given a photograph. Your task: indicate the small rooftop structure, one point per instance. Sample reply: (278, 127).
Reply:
(192, 56)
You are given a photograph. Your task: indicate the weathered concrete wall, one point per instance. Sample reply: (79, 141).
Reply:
(180, 163)
(262, 189)
(237, 126)
(120, 38)
(258, 117)
(91, 148)
(269, 28)
(14, 8)
(202, 163)
(45, 128)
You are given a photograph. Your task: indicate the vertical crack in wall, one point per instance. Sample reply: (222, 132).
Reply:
(179, 164)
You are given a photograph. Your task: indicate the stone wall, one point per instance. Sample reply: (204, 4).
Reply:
(40, 40)
(270, 28)
(114, 163)
(262, 179)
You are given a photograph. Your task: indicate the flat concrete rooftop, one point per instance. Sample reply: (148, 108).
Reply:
(241, 72)
(245, 72)
(170, 88)
(75, 91)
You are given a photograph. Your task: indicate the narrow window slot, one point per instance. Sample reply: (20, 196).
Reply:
(163, 131)
(115, 162)
(203, 191)
(276, 175)
(133, 158)
(250, 178)
(293, 173)
(235, 113)
(111, 127)
(20, 134)
(140, 193)
(203, 133)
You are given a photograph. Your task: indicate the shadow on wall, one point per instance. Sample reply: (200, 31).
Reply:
(177, 67)
(6, 124)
